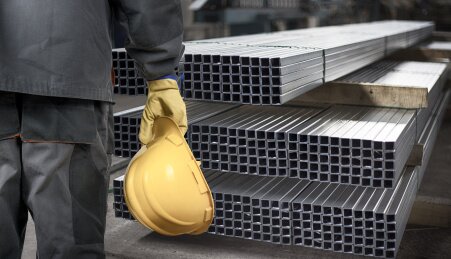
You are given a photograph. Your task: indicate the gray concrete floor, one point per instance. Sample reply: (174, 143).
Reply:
(127, 239)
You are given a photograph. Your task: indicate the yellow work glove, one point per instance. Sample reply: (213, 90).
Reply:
(164, 99)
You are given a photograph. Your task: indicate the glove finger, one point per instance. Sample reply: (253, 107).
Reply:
(145, 130)
(183, 124)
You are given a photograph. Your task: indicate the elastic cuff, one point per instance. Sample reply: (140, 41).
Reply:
(173, 77)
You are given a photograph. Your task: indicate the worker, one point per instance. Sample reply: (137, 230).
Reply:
(55, 112)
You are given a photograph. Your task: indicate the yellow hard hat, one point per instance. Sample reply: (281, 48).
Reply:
(164, 187)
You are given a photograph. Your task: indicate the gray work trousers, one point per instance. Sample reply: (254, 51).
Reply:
(64, 187)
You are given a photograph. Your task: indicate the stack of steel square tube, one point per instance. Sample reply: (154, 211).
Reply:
(336, 217)
(341, 144)
(330, 216)
(126, 75)
(274, 68)
(325, 215)
(329, 177)
(127, 124)
(250, 74)
(119, 205)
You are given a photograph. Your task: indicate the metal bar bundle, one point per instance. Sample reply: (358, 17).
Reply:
(127, 77)
(399, 34)
(119, 205)
(429, 134)
(428, 75)
(274, 68)
(342, 144)
(127, 124)
(250, 74)
(342, 218)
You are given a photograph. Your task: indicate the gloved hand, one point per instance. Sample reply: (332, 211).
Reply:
(164, 99)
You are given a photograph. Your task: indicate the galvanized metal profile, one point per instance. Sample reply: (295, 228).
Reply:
(127, 77)
(337, 217)
(341, 144)
(430, 132)
(127, 124)
(278, 66)
(247, 62)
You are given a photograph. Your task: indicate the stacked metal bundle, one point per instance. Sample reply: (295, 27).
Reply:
(250, 74)
(127, 123)
(428, 75)
(355, 220)
(429, 134)
(119, 205)
(254, 207)
(398, 34)
(342, 144)
(274, 68)
(127, 78)
(328, 216)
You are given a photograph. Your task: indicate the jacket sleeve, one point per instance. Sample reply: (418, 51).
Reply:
(154, 34)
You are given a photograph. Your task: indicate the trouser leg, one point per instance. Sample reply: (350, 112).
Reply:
(13, 212)
(66, 189)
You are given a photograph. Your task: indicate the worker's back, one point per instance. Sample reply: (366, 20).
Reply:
(56, 48)
(62, 48)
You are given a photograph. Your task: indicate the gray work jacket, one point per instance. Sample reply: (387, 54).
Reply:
(62, 48)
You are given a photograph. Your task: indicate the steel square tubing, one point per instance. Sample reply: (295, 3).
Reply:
(216, 120)
(295, 56)
(351, 65)
(257, 213)
(305, 72)
(286, 209)
(267, 133)
(368, 143)
(231, 206)
(350, 139)
(280, 71)
(297, 212)
(246, 196)
(268, 59)
(357, 49)
(282, 137)
(272, 201)
(398, 212)
(334, 146)
(306, 204)
(346, 210)
(298, 83)
(314, 208)
(394, 211)
(363, 234)
(312, 191)
(259, 58)
(269, 209)
(314, 136)
(215, 186)
(429, 139)
(336, 204)
(345, 57)
(252, 58)
(393, 133)
(237, 127)
(401, 151)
